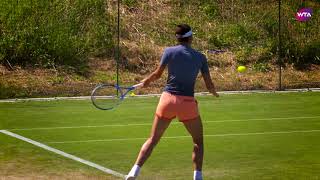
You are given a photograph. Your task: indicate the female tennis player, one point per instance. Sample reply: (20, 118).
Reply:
(177, 100)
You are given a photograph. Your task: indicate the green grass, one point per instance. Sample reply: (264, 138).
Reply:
(290, 155)
(51, 33)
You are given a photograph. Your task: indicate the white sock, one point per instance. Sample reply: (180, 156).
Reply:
(134, 171)
(197, 175)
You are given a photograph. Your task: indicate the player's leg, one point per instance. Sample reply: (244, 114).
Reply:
(164, 115)
(158, 128)
(195, 129)
(188, 113)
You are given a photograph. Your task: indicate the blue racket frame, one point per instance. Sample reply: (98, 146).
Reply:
(118, 88)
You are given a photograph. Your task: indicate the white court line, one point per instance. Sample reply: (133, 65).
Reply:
(148, 124)
(69, 156)
(179, 137)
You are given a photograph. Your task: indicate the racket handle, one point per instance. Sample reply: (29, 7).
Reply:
(137, 85)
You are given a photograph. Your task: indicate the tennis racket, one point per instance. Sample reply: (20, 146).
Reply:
(107, 97)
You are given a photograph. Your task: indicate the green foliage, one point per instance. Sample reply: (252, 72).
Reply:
(130, 3)
(270, 25)
(7, 91)
(242, 33)
(233, 35)
(302, 56)
(261, 67)
(312, 52)
(62, 32)
(210, 9)
(243, 55)
(218, 41)
(242, 24)
(300, 40)
(54, 32)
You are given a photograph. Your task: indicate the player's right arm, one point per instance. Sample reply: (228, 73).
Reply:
(159, 71)
(153, 76)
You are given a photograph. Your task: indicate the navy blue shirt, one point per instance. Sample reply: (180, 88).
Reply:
(184, 64)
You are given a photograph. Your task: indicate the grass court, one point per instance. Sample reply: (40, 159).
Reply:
(247, 136)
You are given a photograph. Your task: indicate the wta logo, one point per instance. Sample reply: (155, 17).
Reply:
(304, 14)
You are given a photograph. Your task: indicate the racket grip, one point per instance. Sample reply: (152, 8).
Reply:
(137, 85)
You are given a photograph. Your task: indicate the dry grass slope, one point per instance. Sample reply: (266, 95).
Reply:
(247, 37)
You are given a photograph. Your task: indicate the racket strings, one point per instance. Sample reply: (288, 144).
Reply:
(106, 97)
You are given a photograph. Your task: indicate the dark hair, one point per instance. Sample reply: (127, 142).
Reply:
(182, 29)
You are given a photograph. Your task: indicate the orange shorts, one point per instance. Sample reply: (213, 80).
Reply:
(170, 106)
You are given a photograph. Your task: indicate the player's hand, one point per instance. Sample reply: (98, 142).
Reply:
(144, 83)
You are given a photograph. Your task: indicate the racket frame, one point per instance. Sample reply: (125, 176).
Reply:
(119, 90)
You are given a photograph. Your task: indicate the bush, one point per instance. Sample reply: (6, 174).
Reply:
(209, 9)
(243, 55)
(130, 3)
(61, 32)
(233, 35)
(303, 56)
(261, 67)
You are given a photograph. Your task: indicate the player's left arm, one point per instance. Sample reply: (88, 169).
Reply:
(207, 77)
(209, 83)
(153, 76)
